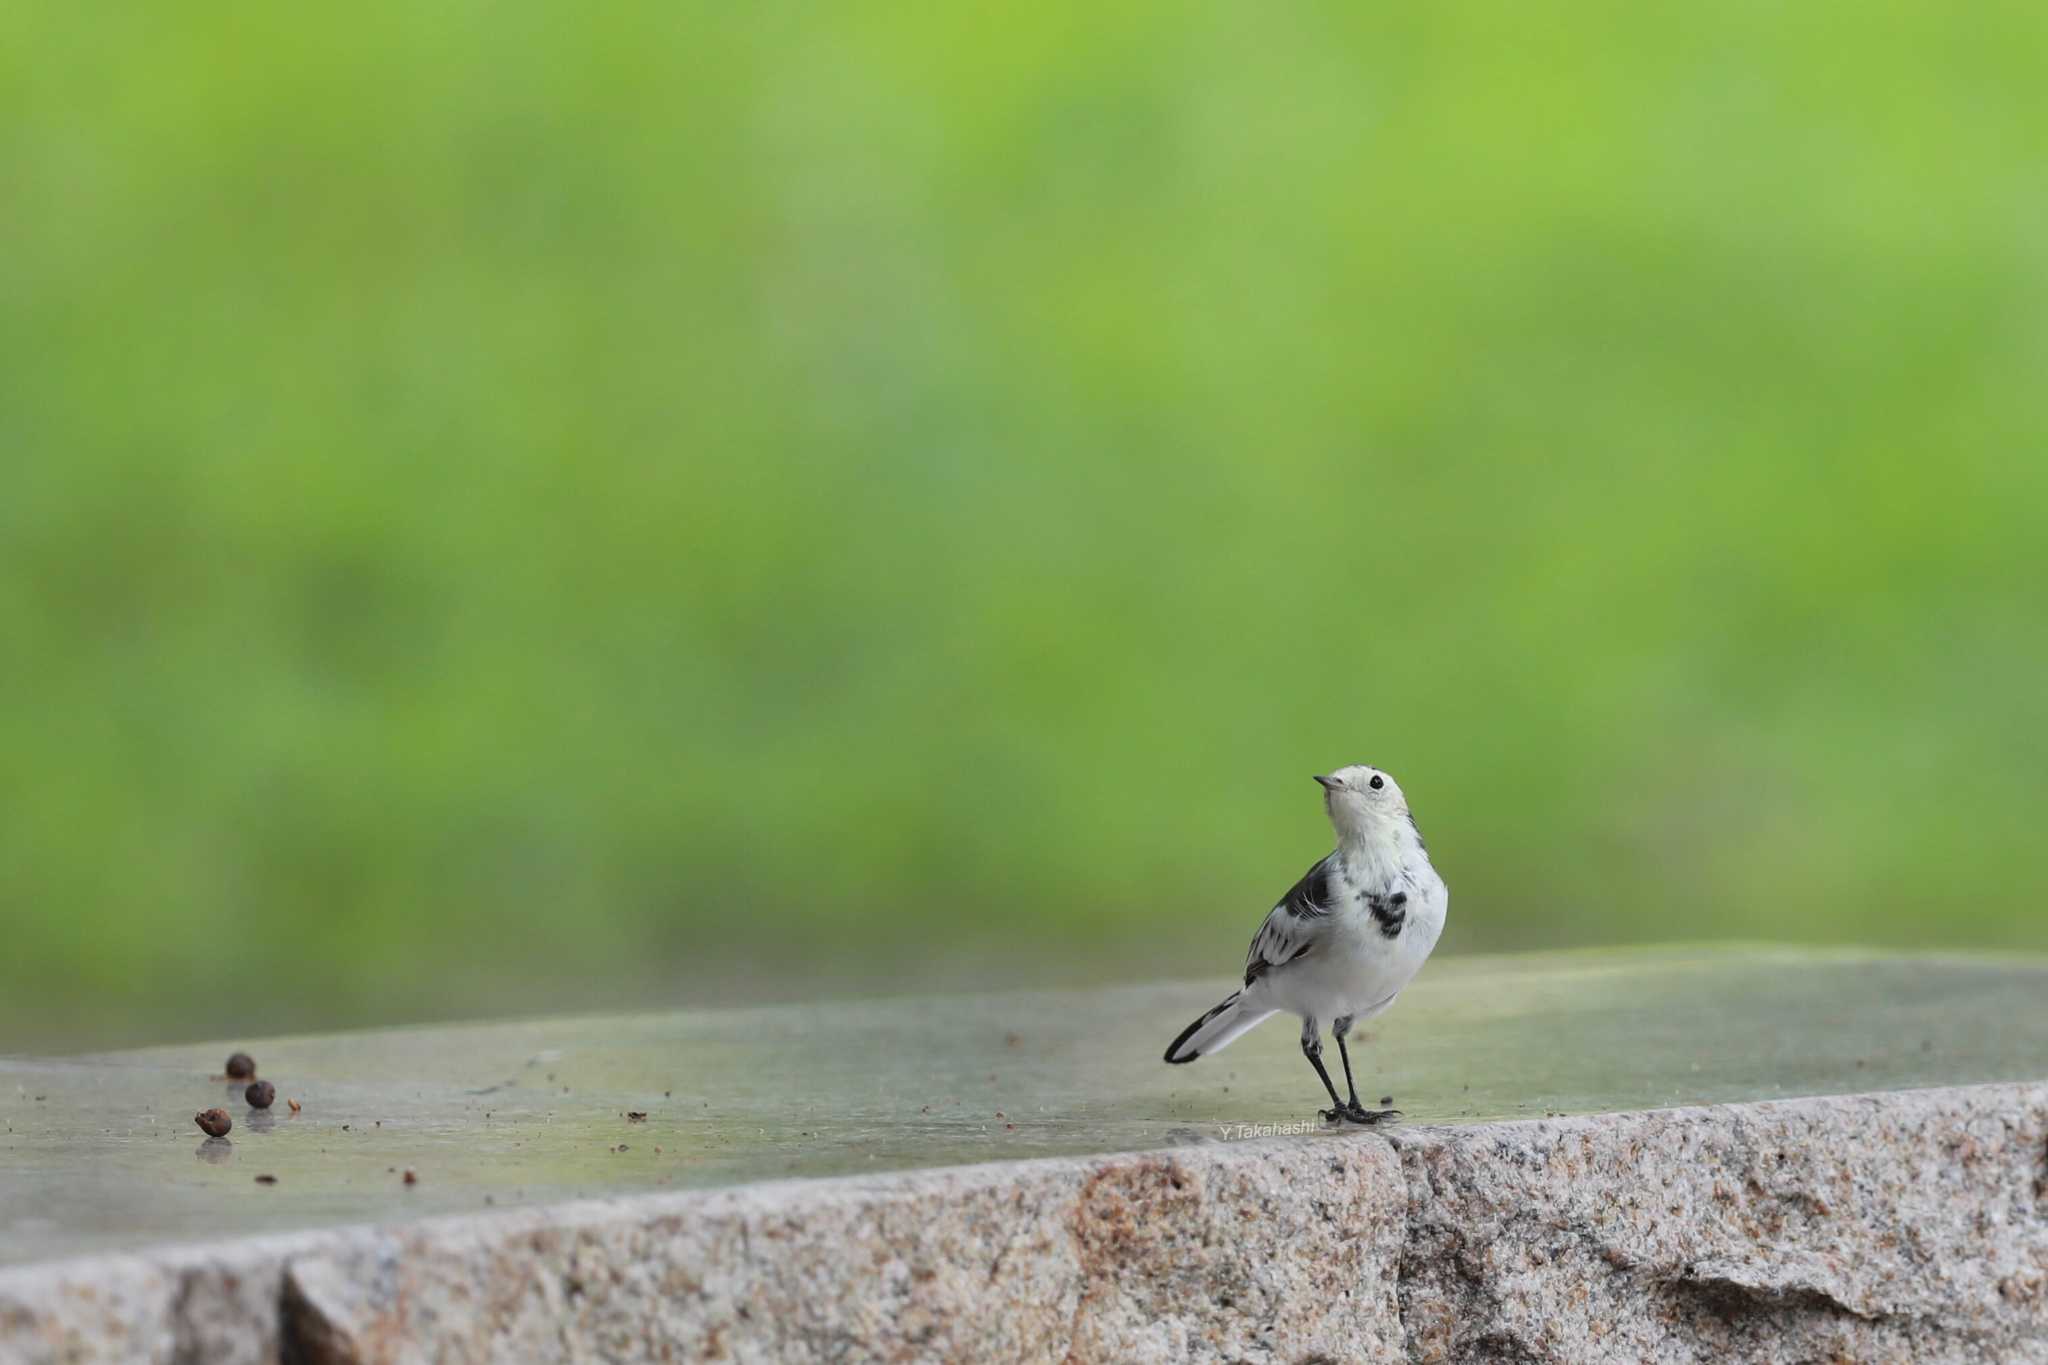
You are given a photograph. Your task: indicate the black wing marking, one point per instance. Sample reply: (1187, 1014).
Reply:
(1309, 898)
(1271, 950)
(1280, 940)
(1294, 926)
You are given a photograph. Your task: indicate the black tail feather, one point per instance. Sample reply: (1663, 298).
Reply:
(1195, 1027)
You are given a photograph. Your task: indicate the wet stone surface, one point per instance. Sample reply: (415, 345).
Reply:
(1596, 1166)
(100, 1153)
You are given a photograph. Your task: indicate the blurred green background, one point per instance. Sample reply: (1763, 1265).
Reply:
(514, 507)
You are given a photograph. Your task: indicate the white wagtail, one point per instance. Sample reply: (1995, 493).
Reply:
(1344, 940)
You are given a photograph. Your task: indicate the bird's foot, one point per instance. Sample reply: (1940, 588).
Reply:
(1359, 1114)
(1352, 1113)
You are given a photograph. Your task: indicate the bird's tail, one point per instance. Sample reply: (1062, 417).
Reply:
(1216, 1030)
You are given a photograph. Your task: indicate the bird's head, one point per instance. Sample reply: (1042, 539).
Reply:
(1365, 804)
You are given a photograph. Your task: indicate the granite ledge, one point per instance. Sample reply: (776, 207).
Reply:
(1901, 1225)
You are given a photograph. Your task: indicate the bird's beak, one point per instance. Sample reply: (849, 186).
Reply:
(1329, 783)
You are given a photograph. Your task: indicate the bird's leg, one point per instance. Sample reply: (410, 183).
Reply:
(1354, 1111)
(1338, 1028)
(1312, 1048)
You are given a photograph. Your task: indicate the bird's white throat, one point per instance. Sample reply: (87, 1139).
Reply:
(1376, 851)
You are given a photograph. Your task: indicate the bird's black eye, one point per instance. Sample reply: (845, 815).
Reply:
(1377, 782)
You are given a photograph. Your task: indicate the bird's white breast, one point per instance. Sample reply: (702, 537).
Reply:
(1360, 969)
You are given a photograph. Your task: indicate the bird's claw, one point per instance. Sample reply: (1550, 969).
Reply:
(1353, 1113)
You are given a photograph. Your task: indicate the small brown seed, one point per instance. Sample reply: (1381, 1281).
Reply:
(410, 1178)
(214, 1122)
(260, 1094)
(241, 1067)
(294, 1104)
(266, 1180)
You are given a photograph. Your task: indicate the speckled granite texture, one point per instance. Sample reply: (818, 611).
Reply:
(1900, 1227)
(1908, 1226)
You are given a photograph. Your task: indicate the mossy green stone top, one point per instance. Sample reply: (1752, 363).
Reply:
(100, 1153)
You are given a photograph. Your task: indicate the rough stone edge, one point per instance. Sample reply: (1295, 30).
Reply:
(1903, 1225)
(1508, 1241)
(1100, 1247)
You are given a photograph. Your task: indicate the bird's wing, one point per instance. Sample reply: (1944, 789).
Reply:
(1297, 925)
